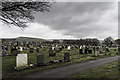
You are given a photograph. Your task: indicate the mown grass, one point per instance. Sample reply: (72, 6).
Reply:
(9, 62)
(110, 70)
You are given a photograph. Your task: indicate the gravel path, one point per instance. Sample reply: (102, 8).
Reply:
(67, 71)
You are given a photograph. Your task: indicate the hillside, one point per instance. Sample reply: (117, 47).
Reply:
(21, 39)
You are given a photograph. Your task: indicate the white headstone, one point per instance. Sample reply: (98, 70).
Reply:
(21, 49)
(53, 48)
(84, 46)
(68, 47)
(56, 46)
(80, 47)
(21, 61)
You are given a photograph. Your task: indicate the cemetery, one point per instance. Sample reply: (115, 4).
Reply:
(21, 58)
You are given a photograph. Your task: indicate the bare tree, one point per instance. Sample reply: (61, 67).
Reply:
(20, 13)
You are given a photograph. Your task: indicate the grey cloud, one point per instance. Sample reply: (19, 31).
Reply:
(79, 19)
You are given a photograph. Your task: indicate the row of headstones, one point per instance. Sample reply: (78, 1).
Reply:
(22, 60)
(14, 51)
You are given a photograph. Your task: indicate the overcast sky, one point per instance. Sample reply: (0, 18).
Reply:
(71, 20)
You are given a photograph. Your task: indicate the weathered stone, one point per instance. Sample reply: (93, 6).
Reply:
(52, 54)
(66, 57)
(80, 51)
(21, 61)
(40, 59)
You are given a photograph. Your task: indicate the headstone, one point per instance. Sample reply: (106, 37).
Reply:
(81, 51)
(31, 50)
(60, 60)
(21, 61)
(107, 49)
(6, 48)
(40, 59)
(90, 51)
(60, 48)
(53, 48)
(96, 53)
(85, 51)
(14, 51)
(56, 61)
(4, 52)
(68, 48)
(21, 49)
(51, 61)
(94, 49)
(37, 50)
(56, 46)
(52, 54)
(66, 57)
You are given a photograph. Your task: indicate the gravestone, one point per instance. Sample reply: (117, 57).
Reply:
(96, 53)
(85, 51)
(94, 49)
(90, 51)
(6, 48)
(14, 51)
(66, 57)
(60, 48)
(81, 51)
(37, 50)
(51, 61)
(40, 59)
(21, 61)
(53, 48)
(68, 48)
(31, 50)
(52, 54)
(4, 52)
(21, 49)
(107, 49)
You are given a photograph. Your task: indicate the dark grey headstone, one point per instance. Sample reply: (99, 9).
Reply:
(40, 59)
(107, 49)
(31, 50)
(60, 49)
(37, 50)
(90, 51)
(114, 49)
(80, 51)
(66, 57)
(85, 51)
(52, 54)
(14, 52)
(4, 53)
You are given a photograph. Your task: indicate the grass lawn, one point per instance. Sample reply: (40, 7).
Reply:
(9, 62)
(110, 70)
